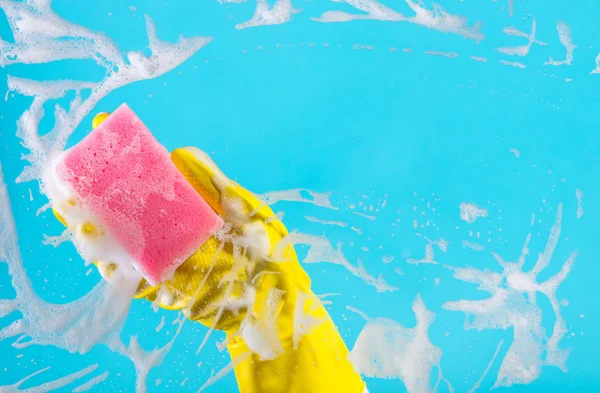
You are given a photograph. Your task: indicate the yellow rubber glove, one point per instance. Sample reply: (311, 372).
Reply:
(280, 337)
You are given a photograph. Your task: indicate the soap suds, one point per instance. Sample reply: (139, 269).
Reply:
(223, 372)
(450, 55)
(470, 212)
(579, 196)
(160, 325)
(296, 195)
(522, 50)
(487, 369)
(566, 39)
(429, 252)
(50, 385)
(513, 305)
(436, 19)
(513, 64)
(597, 69)
(372, 218)
(480, 59)
(321, 250)
(42, 36)
(386, 349)
(264, 14)
(91, 383)
(96, 318)
(164, 57)
(326, 222)
(472, 246)
(362, 47)
(387, 259)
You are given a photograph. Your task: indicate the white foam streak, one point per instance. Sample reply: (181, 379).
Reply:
(597, 69)
(472, 246)
(436, 19)
(47, 386)
(321, 250)
(326, 222)
(513, 64)
(544, 257)
(224, 371)
(487, 369)
(450, 55)
(91, 383)
(281, 12)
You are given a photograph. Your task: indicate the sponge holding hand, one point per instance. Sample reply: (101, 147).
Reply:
(126, 179)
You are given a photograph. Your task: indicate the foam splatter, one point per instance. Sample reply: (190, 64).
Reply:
(264, 14)
(386, 349)
(429, 252)
(50, 385)
(579, 196)
(42, 36)
(472, 246)
(480, 59)
(321, 250)
(298, 195)
(513, 305)
(522, 50)
(566, 39)
(327, 222)
(470, 212)
(436, 19)
(450, 55)
(516, 64)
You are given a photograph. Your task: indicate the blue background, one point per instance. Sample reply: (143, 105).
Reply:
(403, 127)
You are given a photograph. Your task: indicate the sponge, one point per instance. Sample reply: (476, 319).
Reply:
(125, 177)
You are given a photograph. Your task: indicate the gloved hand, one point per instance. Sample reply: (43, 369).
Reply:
(279, 335)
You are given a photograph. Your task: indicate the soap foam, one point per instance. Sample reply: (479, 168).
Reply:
(579, 196)
(522, 50)
(470, 212)
(436, 19)
(566, 39)
(321, 250)
(386, 349)
(512, 305)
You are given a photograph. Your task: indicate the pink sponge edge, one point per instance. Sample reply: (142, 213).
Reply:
(128, 181)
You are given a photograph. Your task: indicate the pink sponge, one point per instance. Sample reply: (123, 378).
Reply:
(127, 180)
